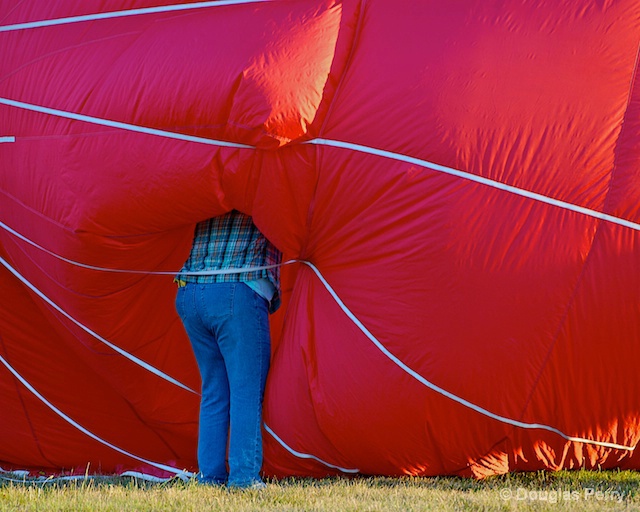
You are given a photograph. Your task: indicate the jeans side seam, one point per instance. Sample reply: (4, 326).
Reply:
(262, 337)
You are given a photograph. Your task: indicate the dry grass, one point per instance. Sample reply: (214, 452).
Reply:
(580, 490)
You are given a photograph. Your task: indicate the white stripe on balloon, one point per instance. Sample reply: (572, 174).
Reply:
(128, 12)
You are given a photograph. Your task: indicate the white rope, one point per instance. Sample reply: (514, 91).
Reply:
(301, 455)
(130, 356)
(349, 314)
(180, 473)
(123, 126)
(394, 156)
(24, 477)
(446, 393)
(119, 14)
(120, 351)
(337, 144)
(267, 428)
(225, 271)
(7, 139)
(164, 467)
(478, 179)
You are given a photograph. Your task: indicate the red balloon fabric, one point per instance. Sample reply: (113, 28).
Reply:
(456, 186)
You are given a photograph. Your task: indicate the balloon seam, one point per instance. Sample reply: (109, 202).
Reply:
(623, 129)
(347, 65)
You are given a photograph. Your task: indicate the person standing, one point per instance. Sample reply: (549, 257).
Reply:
(226, 317)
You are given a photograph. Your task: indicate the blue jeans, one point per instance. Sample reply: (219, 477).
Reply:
(228, 326)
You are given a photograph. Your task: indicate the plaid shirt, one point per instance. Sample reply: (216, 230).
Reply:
(232, 241)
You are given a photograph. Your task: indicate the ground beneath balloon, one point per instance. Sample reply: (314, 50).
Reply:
(564, 490)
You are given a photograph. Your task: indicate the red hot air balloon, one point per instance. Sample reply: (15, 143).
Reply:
(456, 186)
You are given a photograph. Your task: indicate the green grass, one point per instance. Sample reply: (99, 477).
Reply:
(564, 490)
